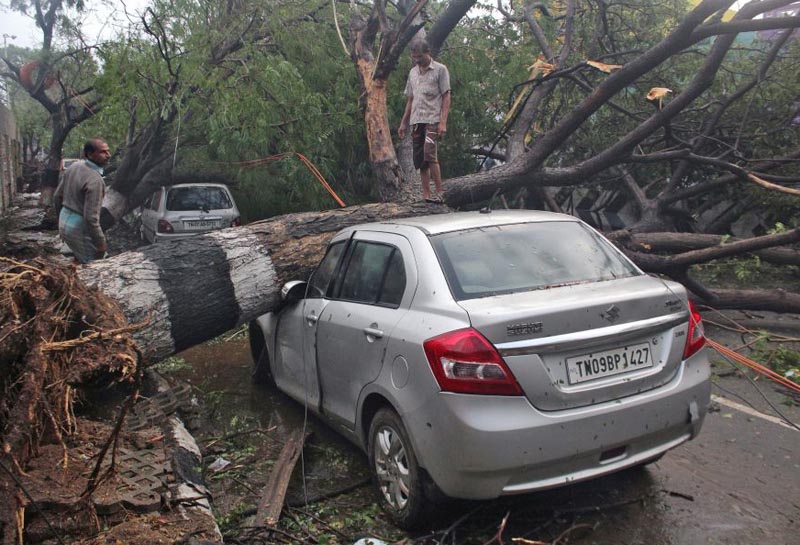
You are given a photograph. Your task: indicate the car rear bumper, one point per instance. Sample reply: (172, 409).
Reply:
(481, 447)
(160, 237)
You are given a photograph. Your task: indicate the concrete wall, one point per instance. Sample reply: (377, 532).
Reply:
(10, 158)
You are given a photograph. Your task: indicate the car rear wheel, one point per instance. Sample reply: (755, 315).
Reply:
(258, 350)
(398, 477)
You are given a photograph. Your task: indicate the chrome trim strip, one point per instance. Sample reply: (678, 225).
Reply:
(590, 337)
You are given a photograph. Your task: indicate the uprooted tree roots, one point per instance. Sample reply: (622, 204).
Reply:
(56, 335)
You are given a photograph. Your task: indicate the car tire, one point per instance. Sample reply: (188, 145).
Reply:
(261, 374)
(398, 478)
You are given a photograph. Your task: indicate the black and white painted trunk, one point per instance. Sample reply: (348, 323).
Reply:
(192, 290)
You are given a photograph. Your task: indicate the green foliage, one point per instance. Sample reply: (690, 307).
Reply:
(779, 228)
(232, 518)
(262, 78)
(781, 358)
(747, 272)
(486, 57)
(172, 365)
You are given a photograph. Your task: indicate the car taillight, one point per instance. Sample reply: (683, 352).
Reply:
(464, 361)
(236, 222)
(165, 227)
(695, 339)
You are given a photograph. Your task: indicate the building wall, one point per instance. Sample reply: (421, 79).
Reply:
(10, 158)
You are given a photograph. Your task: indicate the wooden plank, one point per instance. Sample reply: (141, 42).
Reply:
(271, 502)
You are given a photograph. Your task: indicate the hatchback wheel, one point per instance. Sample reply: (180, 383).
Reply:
(397, 476)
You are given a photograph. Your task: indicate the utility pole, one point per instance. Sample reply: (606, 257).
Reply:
(5, 94)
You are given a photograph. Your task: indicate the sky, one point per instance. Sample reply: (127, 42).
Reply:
(103, 21)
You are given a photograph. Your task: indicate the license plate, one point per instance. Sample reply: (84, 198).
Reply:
(608, 363)
(200, 224)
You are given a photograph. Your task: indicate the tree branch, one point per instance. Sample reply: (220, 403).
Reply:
(447, 21)
(736, 27)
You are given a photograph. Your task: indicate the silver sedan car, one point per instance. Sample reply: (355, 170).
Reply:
(184, 210)
(482, 354)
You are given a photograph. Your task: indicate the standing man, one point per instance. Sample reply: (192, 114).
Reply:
(428, 92)
(80, 196)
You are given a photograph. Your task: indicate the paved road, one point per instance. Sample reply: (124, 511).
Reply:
(737, 483)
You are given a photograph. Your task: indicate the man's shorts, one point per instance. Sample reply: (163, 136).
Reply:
(425, 137)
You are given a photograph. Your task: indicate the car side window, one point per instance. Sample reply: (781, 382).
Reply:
(321, 279)
(375, 275)
(156, 200)
(394, 285)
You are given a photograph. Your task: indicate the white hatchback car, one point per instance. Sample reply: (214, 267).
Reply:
(184, 210)
(486, 354)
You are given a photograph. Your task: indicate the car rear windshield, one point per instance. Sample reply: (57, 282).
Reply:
(198, 198)
(529, 256)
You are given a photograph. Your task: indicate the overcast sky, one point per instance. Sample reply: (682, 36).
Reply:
(103, 21)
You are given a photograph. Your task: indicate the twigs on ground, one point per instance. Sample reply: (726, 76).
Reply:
(563, 538)
(214, 440)
(327, 526)
(498, 537)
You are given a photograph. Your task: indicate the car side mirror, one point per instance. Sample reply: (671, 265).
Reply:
(293, 290)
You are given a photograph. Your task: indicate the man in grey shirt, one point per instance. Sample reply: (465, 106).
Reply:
(427, 106)
(80, 197)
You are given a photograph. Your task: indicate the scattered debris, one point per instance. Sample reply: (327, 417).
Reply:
(219, 464)
(271, 503)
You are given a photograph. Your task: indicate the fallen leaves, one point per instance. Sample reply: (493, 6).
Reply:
(658, 93)
(603, 67)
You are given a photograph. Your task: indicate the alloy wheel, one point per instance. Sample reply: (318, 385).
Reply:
(391, 467)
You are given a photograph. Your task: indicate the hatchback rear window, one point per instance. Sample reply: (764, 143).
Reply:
(198, 198)
(529, 256)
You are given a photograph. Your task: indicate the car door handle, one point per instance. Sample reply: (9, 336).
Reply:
(373, 332)
(312, 319)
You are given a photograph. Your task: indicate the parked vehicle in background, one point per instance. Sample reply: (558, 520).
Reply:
(67, 162)
(184, 210)
(486, 354)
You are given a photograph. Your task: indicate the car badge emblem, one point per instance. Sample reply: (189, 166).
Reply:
(611, 313)
(526, 328)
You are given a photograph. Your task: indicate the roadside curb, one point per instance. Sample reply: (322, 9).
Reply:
(188, 492)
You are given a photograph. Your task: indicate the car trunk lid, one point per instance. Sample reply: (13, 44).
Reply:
(577, 345)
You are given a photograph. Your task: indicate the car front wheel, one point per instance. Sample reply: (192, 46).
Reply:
(398, 477)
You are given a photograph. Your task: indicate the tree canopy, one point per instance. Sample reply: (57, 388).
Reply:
(677, 116)
(557, 90)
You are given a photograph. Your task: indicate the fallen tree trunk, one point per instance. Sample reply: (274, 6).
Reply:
(189, 291)
(778, 300)
(195, 289)
(684, 242)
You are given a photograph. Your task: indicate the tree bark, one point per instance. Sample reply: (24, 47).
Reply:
(192, 290)
(382, 156)
(684, 242)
